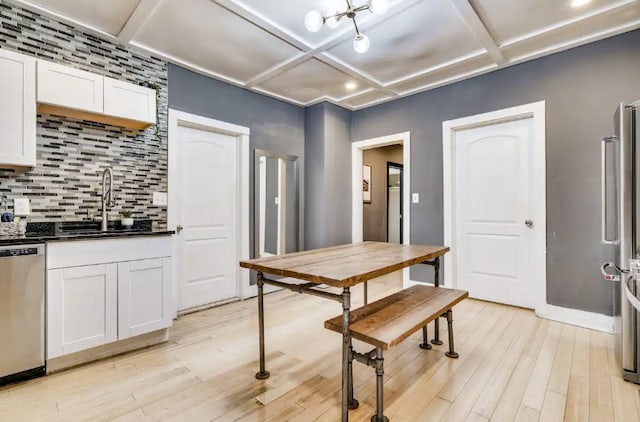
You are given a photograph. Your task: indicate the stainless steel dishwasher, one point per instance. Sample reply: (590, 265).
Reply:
(22, 324)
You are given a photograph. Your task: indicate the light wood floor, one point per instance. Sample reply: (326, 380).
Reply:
(512, 366)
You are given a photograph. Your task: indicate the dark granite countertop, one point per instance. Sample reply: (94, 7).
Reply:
(82, 230)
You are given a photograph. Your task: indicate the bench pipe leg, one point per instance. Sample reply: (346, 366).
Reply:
(379, 416)
(451, 353)
(436, 282)
(263, 373)
(425, 339)
(366, 292)
(346, 352)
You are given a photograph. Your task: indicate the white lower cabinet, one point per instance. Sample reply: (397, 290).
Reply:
(82, 307)
(144, 296)
(102, 291)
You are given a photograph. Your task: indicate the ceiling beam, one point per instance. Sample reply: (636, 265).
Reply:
(479, 29)
(138, 17)
(253, 17)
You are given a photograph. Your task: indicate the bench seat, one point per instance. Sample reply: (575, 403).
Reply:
(388, 321)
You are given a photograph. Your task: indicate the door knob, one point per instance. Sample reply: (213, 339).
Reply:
(528, 223)
(179, 229)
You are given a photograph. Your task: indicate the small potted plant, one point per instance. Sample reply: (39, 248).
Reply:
(127, 219)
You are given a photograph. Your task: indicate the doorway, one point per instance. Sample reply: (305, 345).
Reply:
(359, 200)
(208, 190)
(395, 175)
(495, 221)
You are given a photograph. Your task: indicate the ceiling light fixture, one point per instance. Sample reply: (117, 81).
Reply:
(579, 3)
(351, 86)
(313, 20)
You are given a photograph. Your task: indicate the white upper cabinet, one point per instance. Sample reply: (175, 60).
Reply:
(68, 87)
(84, 95)
(129, 101)
(17, 110)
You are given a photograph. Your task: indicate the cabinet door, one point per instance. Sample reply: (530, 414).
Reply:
(17, 110)
(68, 87)
(82, 306)
(129, 101)
(144, 295)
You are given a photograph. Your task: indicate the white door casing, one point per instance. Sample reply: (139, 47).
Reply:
(216, 179)
(357, 149)
(493, 183)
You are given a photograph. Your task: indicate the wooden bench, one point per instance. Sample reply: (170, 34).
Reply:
(388, 321)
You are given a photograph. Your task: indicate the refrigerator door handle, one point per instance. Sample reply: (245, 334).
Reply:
(628, 294)
(603, 189)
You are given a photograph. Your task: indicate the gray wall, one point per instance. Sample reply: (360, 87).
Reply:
(275, 125)
(328, 178)
(581, 88)
(374, 215)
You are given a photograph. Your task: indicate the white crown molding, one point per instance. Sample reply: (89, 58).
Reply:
(279, 97)
(186, 64)
(58, 16)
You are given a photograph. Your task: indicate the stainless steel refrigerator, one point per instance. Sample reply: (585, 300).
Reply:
(621, 230)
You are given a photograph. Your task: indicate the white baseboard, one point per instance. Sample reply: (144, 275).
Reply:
(583, 319)
(410, 283)
(590, 320)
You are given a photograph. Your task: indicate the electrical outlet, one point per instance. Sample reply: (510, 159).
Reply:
(415, 198)
(160, 199)
(21, 206)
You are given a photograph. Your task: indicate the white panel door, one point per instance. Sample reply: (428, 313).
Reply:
(70, 87)
(208, 212)
(144, 296)
(82, 306)
(492, 203)
(17, 110)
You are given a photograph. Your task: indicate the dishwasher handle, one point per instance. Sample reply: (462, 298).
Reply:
(18, 251)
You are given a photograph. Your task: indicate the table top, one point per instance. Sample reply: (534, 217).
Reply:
(345, 265)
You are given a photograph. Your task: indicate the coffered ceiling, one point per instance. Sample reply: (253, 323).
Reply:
(417, 45)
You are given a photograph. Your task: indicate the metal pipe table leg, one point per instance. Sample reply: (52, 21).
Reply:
(263, 373)
(353, 403)
(366, 292)
(379, 416)
(436, 282)
(346, 342)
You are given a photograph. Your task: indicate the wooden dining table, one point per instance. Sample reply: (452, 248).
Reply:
(341, 266)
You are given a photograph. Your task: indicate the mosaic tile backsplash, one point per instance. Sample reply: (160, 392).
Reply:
(71, 154)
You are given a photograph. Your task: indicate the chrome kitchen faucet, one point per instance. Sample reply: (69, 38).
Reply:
(107, 196)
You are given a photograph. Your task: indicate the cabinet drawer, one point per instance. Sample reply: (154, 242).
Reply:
(68, 87)
(129, 101)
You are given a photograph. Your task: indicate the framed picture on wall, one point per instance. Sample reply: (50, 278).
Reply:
(366, 184)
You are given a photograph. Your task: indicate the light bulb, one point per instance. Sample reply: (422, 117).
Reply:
(333, 22)
(361, 43)
(579, 3)
(379, 7)
(313, 21)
